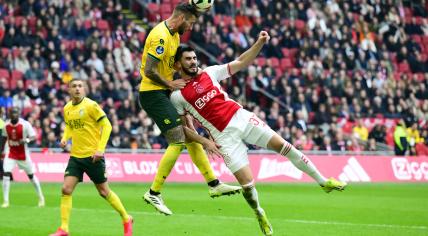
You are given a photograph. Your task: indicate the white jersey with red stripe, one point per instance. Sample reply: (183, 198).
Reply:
(230, 125)
(204, 98)
(16, 133)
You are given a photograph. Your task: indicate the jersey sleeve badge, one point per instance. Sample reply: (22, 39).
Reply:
(159, 50)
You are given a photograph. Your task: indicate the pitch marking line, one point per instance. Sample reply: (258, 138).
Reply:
(315, 222)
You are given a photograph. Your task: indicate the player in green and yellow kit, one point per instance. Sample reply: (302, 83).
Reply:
(157, 82)
(89, 130)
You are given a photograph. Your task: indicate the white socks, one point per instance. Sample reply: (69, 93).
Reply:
(6, 188)
(302, 162)
(250, 194)
(36, 185)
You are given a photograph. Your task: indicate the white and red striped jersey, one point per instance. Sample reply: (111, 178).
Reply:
(205, 100)
(16, 133)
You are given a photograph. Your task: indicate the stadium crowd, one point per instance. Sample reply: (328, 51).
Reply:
(329, 66)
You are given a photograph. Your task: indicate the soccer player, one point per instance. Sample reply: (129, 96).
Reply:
(156, 85)
(2, 141)
(89, 130)
(231, 126)
(18, 133)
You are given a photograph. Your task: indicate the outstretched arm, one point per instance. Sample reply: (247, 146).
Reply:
(246, 58)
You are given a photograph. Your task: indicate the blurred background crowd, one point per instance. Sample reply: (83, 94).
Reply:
(335, 76)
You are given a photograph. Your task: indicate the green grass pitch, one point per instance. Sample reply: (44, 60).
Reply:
(293, 209)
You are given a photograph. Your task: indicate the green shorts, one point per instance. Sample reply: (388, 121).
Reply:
(96, 171)
(158, 107)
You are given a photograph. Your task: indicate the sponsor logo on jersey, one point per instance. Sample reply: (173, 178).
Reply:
(272, 168)
(354, 172)
(14, 143)
(408, 170)
(159, 50)
(198, 88)
(202, 101)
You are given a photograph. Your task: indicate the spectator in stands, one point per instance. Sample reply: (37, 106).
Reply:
(360, 131)
(413, 138)
(400, 139)
(34, 73)
(95, 62)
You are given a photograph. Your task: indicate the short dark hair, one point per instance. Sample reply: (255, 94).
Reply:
(186, 9)
(76, 79)
(182, 49)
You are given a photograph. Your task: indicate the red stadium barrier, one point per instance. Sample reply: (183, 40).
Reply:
(266, 168)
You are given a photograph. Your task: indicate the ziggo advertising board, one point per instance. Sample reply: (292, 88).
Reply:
(266, 168)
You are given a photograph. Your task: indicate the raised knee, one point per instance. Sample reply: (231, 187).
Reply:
(66, 190)
(175, 135)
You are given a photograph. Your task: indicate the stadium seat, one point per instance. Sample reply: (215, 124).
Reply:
(18, 21)
(217, 19)
(285, 52)
(425, 39)
(87, 23)
(403, 67)
(260, 61)
(153, 7)
(185, 37)
(4, 52)
(300, 25)
(32, 20)
(165, 8)
(274, 62)
(278, 72)
(416, 38)
(16, 52)
(4, 73)
(286, 64)
(408, 11)
(141, 36)
(103, 25)
(17, 75)
(175, 2)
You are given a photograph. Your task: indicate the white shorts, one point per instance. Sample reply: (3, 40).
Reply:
(25, 165)
(244, 127)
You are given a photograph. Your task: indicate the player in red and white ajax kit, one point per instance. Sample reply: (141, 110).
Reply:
(231, 126)
(18, 133)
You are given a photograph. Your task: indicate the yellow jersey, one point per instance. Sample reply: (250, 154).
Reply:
(161, 44)
(82, 122)
(1, 128)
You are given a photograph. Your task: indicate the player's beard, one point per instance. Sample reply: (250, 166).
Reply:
(14, 121)
(189, 72)
(181, 29)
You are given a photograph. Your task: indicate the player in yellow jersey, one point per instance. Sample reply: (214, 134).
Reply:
(89, 130)
(156, 85)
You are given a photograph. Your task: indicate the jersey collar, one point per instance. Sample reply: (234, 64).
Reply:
(78, 102)
(172, 33)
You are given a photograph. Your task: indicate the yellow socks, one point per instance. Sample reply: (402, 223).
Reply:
(115, 202)
(165, 166)
(66, 204)
(200, 159)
